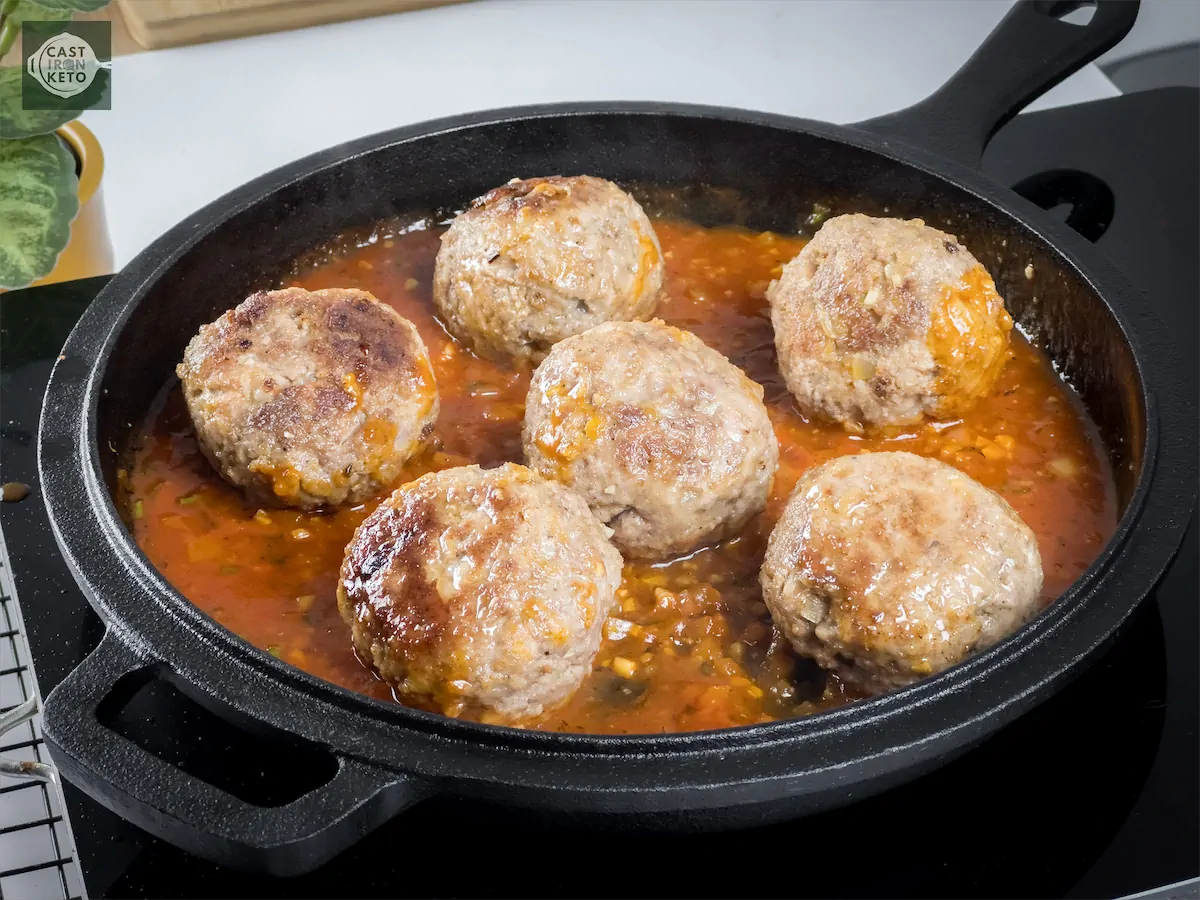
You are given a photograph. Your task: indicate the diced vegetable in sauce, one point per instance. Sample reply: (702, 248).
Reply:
(691, 645)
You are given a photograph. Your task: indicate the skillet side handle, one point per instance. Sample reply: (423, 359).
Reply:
(183, 810)
(1027, 54)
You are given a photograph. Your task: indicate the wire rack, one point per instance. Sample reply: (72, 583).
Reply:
(37, 849)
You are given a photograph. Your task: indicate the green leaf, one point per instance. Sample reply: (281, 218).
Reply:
(36, 12)
(16, 122)
(37, 203)
(9, 30)
(60, 9)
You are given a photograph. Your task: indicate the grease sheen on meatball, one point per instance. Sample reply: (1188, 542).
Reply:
(886, 567)
(884, 321)
(305, 398)
(538, 260)
(668, 441)
(480, 592)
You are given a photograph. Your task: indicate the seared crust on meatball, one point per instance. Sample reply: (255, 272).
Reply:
(306, 398)
(886, 567)
(884, 321)
(668, 441)
(480, 592)
(538, 260)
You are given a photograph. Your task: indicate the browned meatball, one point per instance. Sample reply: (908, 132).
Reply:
(884, 321)
(480, 592)
(666, 439)
(538, 260)
(305, 398)
(886, 567)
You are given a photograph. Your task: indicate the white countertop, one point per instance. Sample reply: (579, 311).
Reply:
(191, 123)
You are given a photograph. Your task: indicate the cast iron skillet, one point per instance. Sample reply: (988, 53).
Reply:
(762, 170)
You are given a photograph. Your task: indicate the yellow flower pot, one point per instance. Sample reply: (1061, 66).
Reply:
(89, 251)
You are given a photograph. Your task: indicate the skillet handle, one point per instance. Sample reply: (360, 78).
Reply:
(183, 810)
(1029, 52)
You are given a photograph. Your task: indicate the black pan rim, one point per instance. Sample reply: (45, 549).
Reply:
(127, 288)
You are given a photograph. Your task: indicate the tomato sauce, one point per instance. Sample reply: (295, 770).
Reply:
(691, 645)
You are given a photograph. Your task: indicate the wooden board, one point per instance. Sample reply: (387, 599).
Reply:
(172, 23)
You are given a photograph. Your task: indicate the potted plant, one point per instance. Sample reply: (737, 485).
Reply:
(51, 219)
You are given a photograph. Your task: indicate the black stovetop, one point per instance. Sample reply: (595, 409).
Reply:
(1095, 793)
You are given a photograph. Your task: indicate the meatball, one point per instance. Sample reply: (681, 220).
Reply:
(306, 398)
(883, 321)
(667, 440)
(480, 592)
(886, 567)
(538, 260)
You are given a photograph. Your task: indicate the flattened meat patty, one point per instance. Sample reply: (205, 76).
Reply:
(666, 439)
(885, 321)
(886, 567)
(538, 260)
(307, 398)
(480, 592)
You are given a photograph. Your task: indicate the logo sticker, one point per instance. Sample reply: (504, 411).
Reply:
(67, 65)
